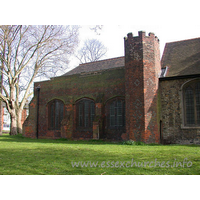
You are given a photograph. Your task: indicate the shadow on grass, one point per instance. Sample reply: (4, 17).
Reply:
(20, 138)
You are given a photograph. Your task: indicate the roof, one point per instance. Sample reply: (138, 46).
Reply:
(98, 66)
(182, 58)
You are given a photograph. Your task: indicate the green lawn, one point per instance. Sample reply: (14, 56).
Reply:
(19, 155)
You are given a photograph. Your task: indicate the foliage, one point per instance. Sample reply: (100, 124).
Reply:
(128, 142)
(131, 142)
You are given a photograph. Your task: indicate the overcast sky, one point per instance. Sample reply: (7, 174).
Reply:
(112, 36)
(170, 20)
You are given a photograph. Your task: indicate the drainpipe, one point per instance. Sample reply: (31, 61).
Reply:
(161, 141)
(38, 97)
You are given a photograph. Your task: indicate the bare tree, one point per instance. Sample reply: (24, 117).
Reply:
(27, 52)
(93, 50)
(97, 29)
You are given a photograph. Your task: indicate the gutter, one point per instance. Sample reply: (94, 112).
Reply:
(179, 77)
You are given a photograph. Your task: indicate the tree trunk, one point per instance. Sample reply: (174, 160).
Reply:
(19, 122)
(13, 127)
(13, 116)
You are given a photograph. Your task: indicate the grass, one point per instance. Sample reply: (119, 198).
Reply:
(19, 155)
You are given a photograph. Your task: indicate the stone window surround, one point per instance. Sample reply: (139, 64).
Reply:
(182, 114)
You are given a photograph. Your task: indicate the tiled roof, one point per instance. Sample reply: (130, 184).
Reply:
(182, 58)
(98, 66)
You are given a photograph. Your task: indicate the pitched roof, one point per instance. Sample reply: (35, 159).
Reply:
(97, 66)
(182, 57)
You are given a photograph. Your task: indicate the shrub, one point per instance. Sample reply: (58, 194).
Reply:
(139, 143)
(128, 142)
(131, 142)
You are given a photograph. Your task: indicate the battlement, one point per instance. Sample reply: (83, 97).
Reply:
(141, 35)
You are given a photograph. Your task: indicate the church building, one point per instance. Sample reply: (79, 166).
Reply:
(135, 97)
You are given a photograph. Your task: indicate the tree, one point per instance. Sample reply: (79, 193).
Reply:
(93, 50)
(97, 29)
(27, 52)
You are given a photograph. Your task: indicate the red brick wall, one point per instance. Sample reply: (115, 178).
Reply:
(69, 89)
(24, 115)
(29, 125)
(142, 67)
(137, 83)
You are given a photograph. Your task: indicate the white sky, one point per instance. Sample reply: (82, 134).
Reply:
(112, 36)
(170, 20)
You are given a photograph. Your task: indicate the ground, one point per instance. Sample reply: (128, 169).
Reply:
(20, 155)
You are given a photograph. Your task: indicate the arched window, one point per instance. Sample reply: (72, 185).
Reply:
(85, 113)
(115, 110)
(191, 96)
(55, 114)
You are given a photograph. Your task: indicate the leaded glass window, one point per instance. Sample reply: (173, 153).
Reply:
(189, 103)
(56, 111)
(85, 113)
(192, 104)
(116, 113)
